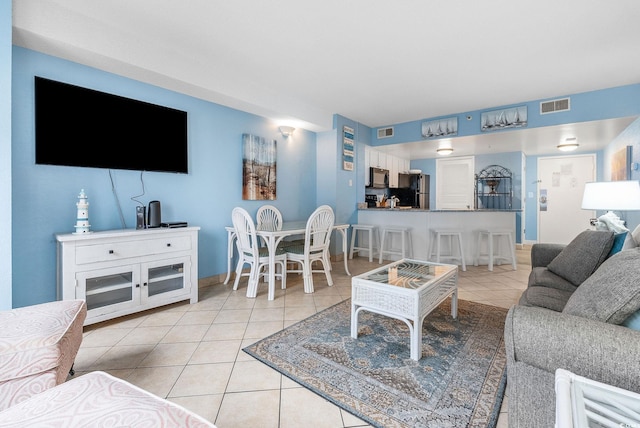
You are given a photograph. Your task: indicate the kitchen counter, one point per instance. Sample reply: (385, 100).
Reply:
(423, 221)
(410, 209)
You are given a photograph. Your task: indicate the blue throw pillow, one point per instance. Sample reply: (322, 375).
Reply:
(618, 243)
(633, 322)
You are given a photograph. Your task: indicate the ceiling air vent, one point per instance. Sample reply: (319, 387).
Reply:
(555, 106)
(385, 132)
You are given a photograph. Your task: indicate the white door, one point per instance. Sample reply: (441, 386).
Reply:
(561, 182)
(454, 183)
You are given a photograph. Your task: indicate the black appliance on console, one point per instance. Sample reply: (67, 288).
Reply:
(413, 191)
(154, 215)
(148, 217)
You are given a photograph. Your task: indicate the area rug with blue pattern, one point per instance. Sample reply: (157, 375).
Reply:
(458, 382)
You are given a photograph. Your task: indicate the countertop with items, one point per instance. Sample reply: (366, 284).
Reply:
(411, 209)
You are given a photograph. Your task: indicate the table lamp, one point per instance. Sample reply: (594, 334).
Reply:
(611, 196)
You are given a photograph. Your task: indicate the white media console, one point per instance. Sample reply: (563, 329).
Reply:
(119, 272)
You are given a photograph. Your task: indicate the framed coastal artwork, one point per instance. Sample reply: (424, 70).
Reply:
(440, 128)
(258, 168)
(621, 164)
(347, 148)
(515, 117)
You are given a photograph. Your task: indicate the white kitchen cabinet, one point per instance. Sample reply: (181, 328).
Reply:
(405, 165)
(393, 166)
(377, 159)
(126, 271)
(382, 160)
(367, 164)
(373, 159)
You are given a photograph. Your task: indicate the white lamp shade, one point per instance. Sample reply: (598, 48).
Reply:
(612, 196)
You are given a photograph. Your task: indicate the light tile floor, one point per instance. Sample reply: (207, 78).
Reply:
(192, 354)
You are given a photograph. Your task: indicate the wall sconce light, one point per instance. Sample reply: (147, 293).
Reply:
(444, 149)
(286, 131)
(569, 145)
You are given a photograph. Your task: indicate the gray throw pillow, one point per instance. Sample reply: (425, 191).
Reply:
(582, 256)
(612, 293)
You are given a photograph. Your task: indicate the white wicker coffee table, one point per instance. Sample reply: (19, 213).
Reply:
(407, 290)
(583, 402)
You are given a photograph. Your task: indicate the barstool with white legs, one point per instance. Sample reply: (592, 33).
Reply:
(454, 240)
(386, 237)
(495, 253)
(372, 242)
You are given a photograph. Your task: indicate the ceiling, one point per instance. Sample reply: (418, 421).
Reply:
(376, 62)
(591, 136)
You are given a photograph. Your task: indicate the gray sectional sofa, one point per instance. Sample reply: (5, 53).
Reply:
(573, 315)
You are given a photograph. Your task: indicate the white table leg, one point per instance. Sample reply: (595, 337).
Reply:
(416, 339)
(271, 245)
(354, 321)
(454, 304)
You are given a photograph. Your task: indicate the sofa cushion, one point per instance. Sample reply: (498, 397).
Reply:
(618, 243)
(633, 322)
(541, 276)
(582, 256)
(545, 297)
(633, 239)
(612, 293)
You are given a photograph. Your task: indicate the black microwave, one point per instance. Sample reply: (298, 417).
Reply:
(378, 178)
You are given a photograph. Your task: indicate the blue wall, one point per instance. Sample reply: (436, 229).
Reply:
(588, 106)
(44, 196)
(5, 154)
(629, 137)
(610, 103)
(309, 168)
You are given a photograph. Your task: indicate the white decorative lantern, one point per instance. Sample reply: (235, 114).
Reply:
(82, 218)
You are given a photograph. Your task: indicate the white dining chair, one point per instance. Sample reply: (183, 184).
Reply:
(317, 238)
(252, 254)
(268, 217)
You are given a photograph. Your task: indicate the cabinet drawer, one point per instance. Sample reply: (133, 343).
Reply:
(122, 250)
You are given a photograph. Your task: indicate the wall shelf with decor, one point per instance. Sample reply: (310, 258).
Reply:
(494, 188)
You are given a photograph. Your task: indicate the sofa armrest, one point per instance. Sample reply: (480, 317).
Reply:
(542, 254)
(549, 340)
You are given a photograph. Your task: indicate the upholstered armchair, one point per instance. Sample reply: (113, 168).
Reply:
(38, 345)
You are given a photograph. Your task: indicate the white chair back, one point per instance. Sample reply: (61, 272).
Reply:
(268, 217)
(319, 228)
(246, 231)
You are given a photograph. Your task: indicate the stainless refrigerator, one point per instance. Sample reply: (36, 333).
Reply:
(413, 190)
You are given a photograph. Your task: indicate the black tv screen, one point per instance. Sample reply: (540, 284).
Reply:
(83, 127)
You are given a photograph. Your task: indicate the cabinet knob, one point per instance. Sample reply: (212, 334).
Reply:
(137, 285)
(144, 283)
(169, 244)
(110, 251)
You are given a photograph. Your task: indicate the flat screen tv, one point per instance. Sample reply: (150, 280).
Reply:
(83, 127)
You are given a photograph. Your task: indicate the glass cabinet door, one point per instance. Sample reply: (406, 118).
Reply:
(109, 290)
(166, 278)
